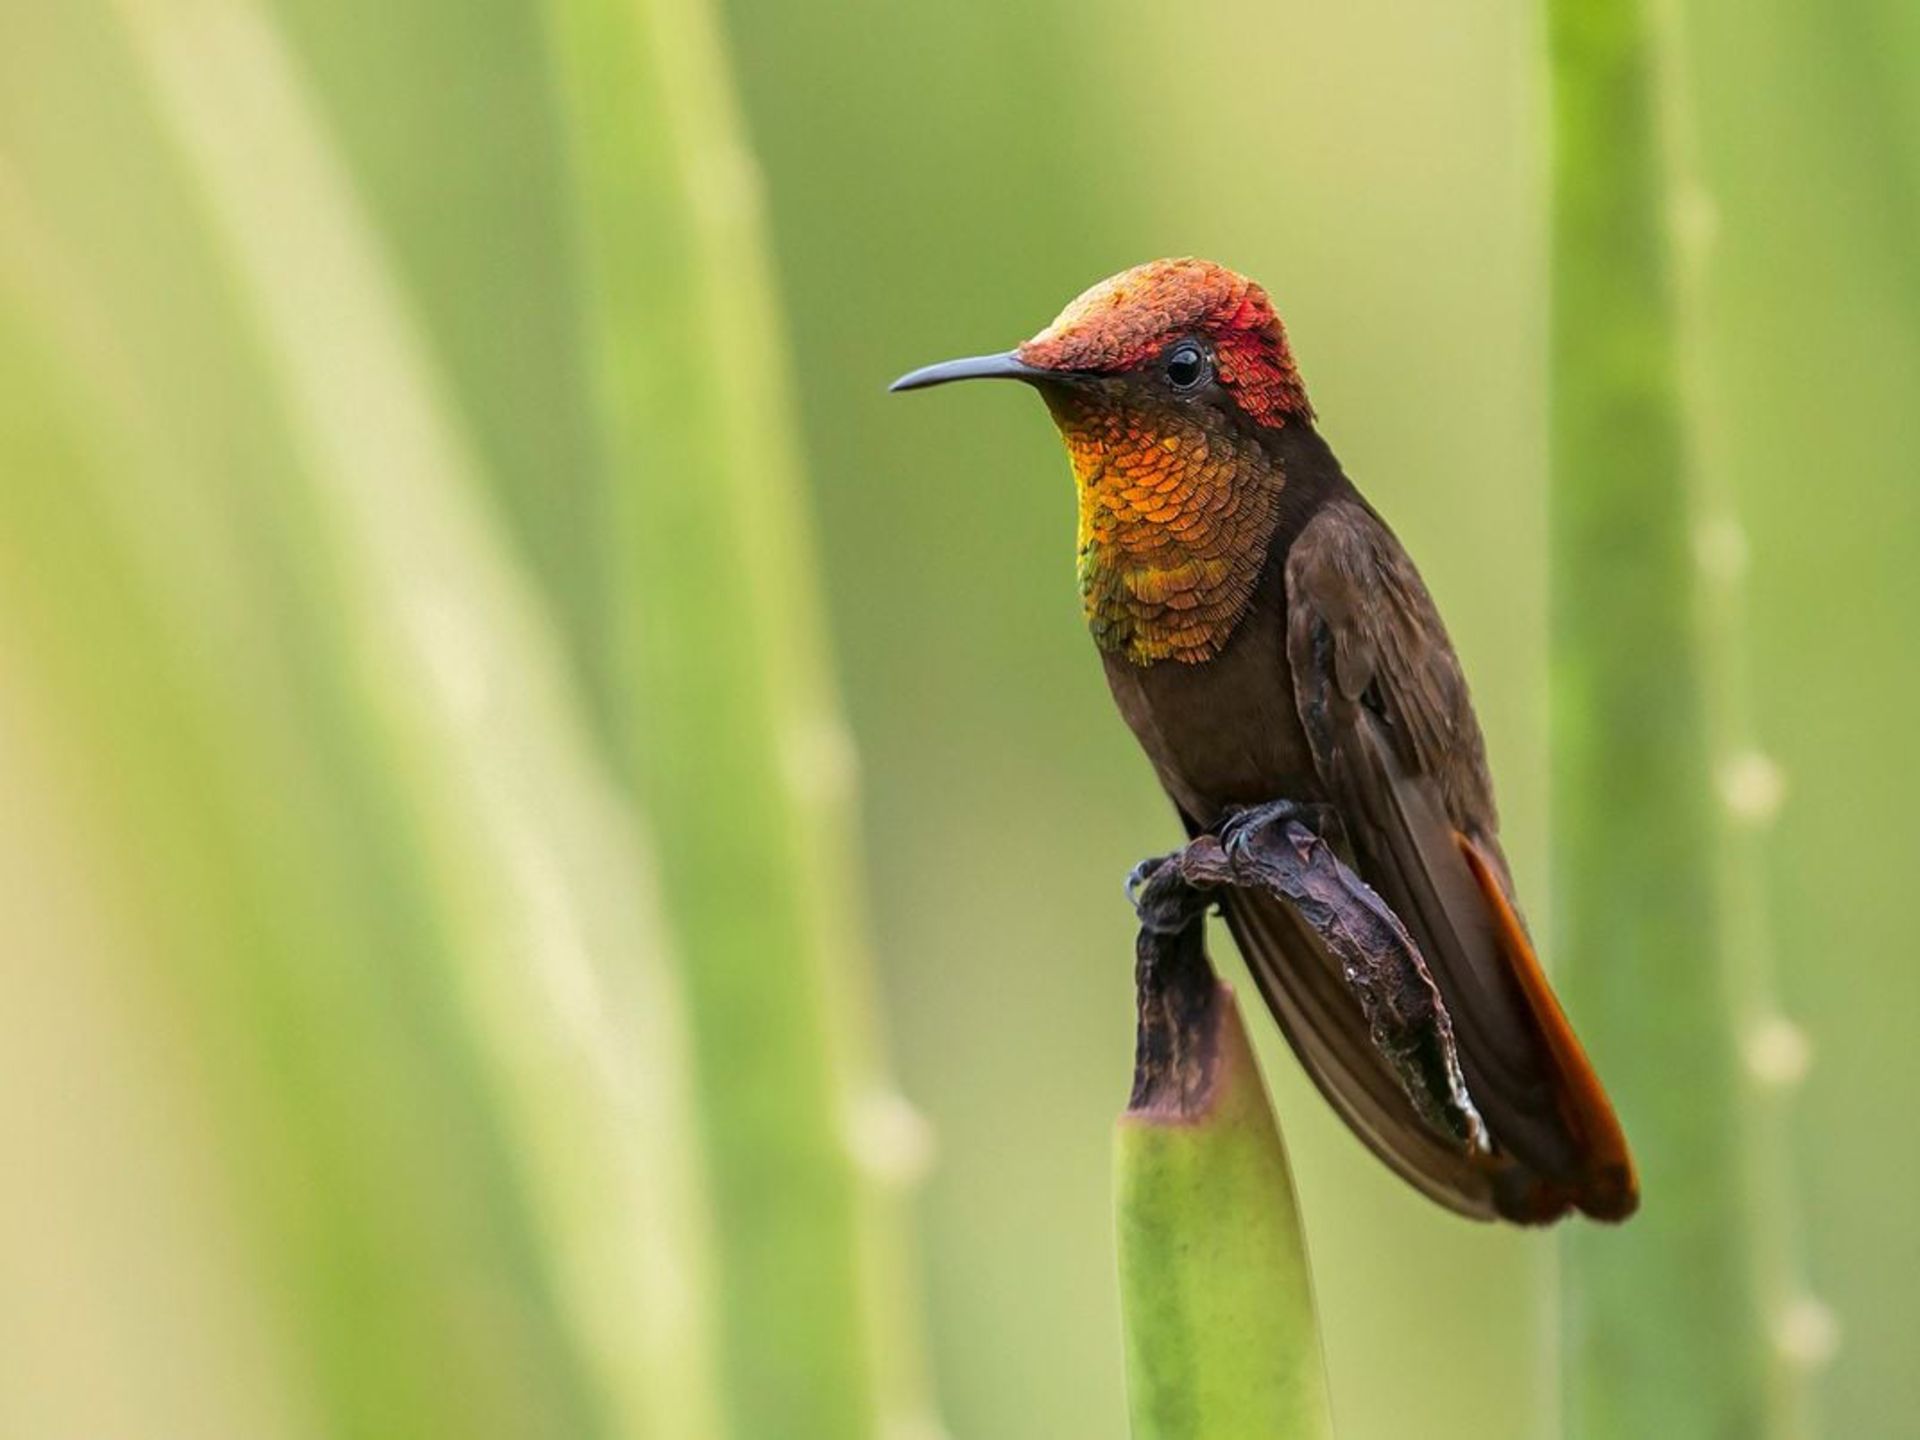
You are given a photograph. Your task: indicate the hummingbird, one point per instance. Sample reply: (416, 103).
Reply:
(1269, 641)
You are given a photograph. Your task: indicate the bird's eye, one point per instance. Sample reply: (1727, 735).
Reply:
(1187, 366)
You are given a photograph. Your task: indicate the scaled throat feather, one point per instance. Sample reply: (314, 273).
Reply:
(1175, 520)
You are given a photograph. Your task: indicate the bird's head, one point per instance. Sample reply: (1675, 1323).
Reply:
(1175, 336)
(1167, 381)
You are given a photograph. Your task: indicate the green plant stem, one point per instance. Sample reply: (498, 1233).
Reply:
(1660, 1325)
(1215, 1291)
(716, 670)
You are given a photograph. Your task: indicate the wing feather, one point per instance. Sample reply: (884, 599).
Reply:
(1396, 747)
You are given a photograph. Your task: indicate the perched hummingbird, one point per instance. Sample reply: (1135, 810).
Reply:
(1267, 639)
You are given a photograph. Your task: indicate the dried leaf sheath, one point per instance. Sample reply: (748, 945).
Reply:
(1271, 852)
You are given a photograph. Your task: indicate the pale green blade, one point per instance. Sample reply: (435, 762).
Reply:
(725, 722)
(374, 1119)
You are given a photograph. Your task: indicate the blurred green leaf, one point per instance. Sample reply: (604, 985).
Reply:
(329, 794)
(1661, 1321)
(725, 723)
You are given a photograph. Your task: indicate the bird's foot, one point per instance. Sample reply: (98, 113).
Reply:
(1243, 827)
(1168, 892)
(1164, 895)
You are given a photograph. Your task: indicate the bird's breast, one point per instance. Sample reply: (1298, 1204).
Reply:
(1174, 523)
(1223, 731)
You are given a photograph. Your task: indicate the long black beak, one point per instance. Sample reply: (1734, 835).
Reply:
(974, 367)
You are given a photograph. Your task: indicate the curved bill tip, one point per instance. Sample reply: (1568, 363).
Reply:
(975, 367)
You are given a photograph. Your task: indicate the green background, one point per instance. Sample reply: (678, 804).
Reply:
(180, 640)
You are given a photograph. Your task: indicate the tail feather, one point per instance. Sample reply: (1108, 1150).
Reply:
(1606, 1186)
(1409, 852)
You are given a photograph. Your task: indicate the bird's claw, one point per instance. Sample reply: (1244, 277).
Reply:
(1240, 829)
(1142, 874)
(1168, 891)
(1164, 897)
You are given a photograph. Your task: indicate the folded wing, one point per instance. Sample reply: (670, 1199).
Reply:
(1397, 749)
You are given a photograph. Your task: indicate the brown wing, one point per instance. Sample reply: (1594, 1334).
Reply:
(1396, 746)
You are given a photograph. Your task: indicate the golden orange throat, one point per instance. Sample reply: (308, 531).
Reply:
(1175, 519)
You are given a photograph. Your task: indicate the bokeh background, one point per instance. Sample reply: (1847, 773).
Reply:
(232, 1019)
